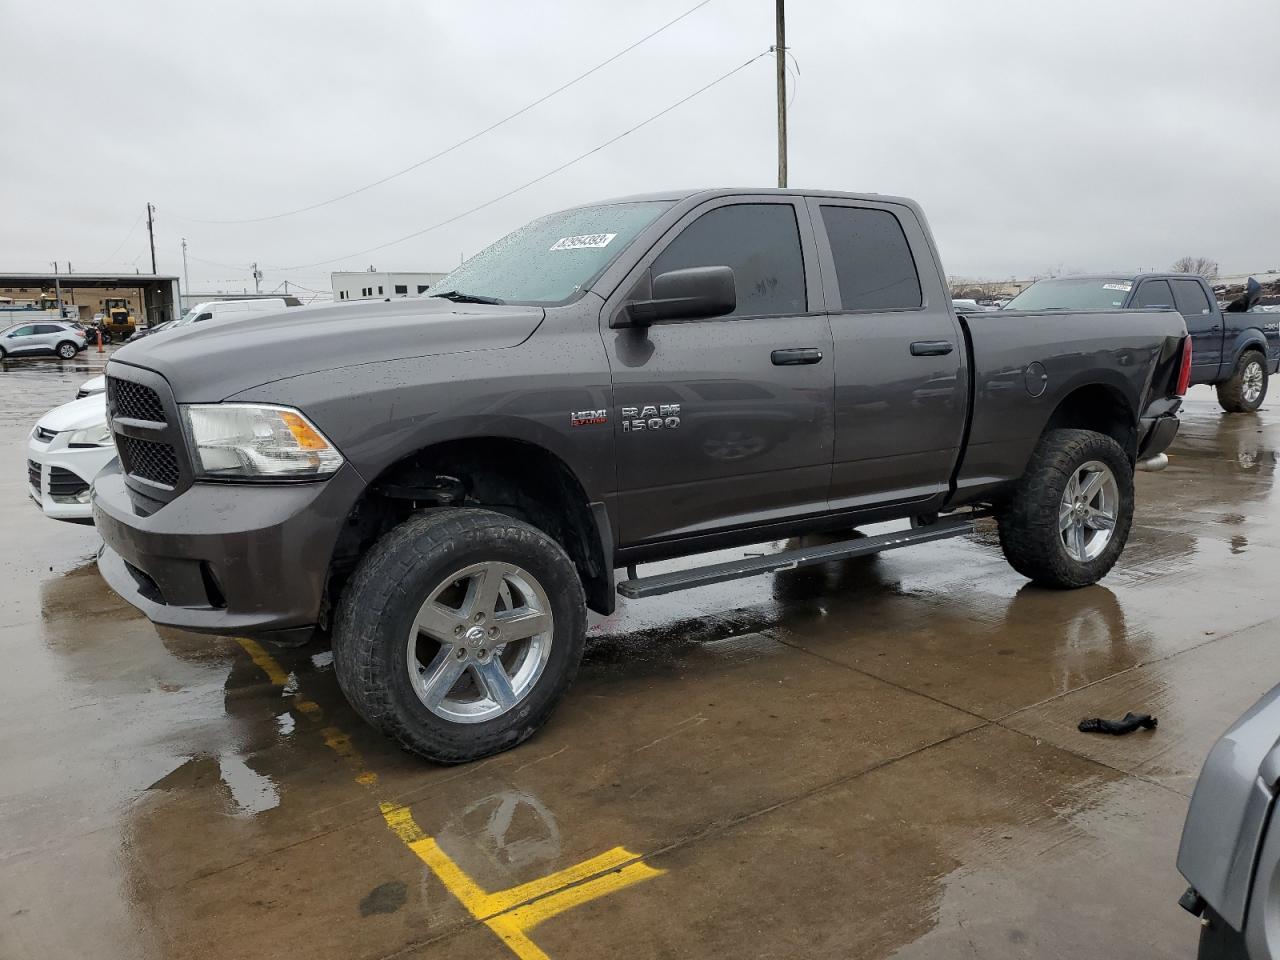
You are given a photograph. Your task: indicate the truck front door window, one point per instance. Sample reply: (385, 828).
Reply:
(1154, 293)
(760, 241)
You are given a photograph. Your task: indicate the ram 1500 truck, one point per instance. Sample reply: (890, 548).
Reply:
(1233, 349)
(448, 483)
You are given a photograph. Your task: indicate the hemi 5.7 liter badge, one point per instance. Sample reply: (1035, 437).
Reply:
(585, 418)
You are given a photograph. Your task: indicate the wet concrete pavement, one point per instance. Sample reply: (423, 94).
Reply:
(873, 759)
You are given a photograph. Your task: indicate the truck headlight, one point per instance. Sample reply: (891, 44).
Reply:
(99, 435)
(243, 441)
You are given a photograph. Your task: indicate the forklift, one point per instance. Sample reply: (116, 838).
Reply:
(118, 322)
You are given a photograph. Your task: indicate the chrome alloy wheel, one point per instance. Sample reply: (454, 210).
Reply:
(1252, 382)
(480, 642)
(1087, 515)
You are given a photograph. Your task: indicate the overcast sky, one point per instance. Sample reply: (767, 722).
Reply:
(1098, 134)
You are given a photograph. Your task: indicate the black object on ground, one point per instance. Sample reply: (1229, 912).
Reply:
(1130, 723)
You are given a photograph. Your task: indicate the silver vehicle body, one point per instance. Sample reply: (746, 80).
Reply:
(39, 337)
(1230, 851)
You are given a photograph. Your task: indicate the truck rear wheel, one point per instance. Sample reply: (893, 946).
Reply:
(1245, 390)
(459, 632)
(1069, 517)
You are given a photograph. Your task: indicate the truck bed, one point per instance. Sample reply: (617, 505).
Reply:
(1014, 353)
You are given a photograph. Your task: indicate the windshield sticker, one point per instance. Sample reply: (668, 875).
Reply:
(588, 241)
(1126, 287)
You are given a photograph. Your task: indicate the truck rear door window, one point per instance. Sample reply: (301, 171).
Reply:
(874, 266)
(1189, 299)
(1154, 293)
(760, 241)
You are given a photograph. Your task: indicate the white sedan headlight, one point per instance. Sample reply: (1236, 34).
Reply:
(99, 435)
(242, 441)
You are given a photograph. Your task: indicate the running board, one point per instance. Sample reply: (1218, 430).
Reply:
(638, 587)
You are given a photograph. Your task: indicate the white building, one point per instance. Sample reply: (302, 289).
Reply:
(368, 285)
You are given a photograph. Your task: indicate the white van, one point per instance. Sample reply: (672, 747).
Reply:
(224, 309)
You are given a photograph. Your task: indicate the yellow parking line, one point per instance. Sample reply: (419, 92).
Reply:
(509, 913)
(512, 913)
(264, 661)
(607, 861)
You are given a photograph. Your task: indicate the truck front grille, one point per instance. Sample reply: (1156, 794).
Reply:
(134, 401)
(152, 461)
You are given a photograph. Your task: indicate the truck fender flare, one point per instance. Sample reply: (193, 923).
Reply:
(1252, 337)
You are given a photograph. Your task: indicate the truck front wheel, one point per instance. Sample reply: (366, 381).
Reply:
(1069, 516)
(459, 632)
(1245, 390)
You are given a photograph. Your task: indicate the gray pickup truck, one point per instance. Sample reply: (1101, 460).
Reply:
(449, 483)
(1234, 349)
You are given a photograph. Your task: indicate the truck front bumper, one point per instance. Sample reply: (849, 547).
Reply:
(224, 558)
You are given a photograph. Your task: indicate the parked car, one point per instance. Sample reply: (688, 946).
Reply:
(1230, 851)
(1235, 350)
(451, 481)
(92, 386)
(148, 331)
(59, 339)
(969, 306)
(68, 447)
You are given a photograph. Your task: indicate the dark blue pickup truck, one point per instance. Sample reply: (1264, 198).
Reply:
(1234, 349)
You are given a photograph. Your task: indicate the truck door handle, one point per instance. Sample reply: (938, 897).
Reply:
(931, 348)
(795, 356)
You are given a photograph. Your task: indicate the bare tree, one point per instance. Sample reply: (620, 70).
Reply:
(1202, 266)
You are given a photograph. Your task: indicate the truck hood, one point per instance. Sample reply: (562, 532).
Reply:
(208, 362)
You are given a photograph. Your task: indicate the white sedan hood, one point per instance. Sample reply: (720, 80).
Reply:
(76, 415)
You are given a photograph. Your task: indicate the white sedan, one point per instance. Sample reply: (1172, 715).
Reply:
(90, 387)
(67, 449)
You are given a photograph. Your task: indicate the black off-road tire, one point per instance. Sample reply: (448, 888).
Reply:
(380, 602)
(1231, 392)
(1028, 521)
(62, 350)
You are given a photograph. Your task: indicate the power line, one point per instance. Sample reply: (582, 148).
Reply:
(461, 143)
(216, 263)
(121, 244)
(535, 180)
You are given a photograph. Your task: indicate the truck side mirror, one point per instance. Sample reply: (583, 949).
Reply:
(686, 294)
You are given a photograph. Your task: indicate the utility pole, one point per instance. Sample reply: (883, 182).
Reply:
(780, 51)
(151, 232)
(57, 286)
(257, 278)
(186, 280)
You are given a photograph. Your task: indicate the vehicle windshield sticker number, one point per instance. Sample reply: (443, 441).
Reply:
(1126, 287)
(588, 241)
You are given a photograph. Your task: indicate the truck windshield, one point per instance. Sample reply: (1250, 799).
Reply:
(553, 257)
(1083, 293)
